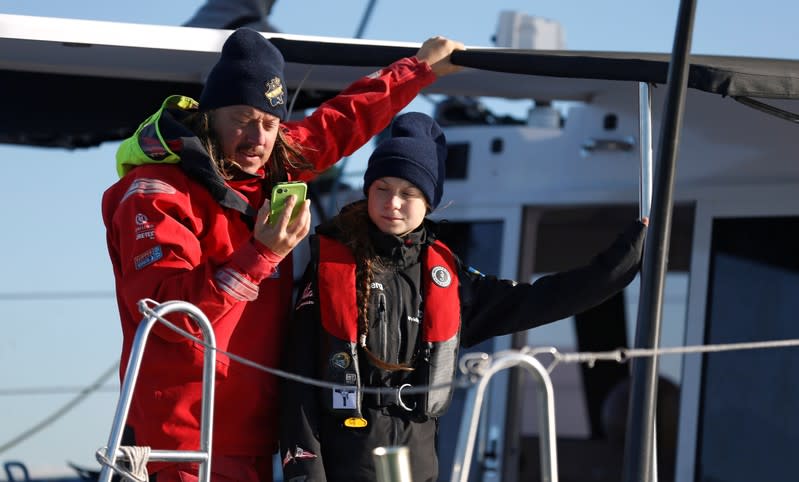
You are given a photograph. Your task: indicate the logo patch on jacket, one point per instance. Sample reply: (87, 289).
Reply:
(340, 360)
(144, 230)
(148, 257)
(306, 298)
(299, 454)
(441, 276)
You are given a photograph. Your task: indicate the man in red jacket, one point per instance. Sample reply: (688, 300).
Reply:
(188, 221)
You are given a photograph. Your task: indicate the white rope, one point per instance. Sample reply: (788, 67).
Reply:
(135, 459)
(284, 374)
(472, 364)
(621, 355)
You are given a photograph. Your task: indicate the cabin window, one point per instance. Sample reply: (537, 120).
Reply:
(457, 163)
(497, 145)
(610, 122)
(748, 416)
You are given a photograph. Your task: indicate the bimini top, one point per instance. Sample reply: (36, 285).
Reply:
(79, 83)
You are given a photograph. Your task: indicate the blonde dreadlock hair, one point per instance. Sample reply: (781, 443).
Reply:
(355, 221)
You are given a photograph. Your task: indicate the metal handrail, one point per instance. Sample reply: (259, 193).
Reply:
(485, 368)
(203, 455)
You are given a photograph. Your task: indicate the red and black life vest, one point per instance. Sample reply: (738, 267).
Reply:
(437, 359)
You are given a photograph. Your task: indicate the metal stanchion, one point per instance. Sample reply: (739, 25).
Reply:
(202, 456)
(392, 464)
(483, 367)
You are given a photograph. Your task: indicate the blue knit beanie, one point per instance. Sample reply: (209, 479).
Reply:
(416, 152)
(249, 72)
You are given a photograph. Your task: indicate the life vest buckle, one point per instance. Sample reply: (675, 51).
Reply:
(400, 402)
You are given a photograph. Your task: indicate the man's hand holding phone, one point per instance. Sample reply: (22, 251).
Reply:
(285, 219)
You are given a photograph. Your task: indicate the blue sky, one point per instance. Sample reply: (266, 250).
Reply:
(54, 240)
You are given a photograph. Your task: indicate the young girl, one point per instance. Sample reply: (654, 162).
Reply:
(386, 305)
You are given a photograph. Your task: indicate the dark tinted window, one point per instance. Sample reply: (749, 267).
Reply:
(457, 163)
(749, 423)
(476, 243)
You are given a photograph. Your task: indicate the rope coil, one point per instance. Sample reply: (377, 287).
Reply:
(135, 459)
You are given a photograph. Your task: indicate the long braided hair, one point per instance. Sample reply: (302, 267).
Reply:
(285, 154)
(355, 221)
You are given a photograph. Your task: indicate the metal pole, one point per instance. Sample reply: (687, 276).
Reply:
(645, 149)
(392, 464)
(367, 14)
(546, 416)
(643, 392)
(645, 197)
(203, 456)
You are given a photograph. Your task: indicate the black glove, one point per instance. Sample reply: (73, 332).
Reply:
(628, 248)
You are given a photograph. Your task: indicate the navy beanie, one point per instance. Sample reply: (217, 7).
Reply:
(416, 152)
(249, 72)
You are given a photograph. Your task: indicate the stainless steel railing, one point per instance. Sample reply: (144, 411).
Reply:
(203, 455)
(483, 368)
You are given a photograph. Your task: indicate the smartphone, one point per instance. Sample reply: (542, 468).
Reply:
(280, 193)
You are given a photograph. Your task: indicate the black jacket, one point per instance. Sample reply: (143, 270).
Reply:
(489, 307)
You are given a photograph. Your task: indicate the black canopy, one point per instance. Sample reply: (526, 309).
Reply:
(74, 94)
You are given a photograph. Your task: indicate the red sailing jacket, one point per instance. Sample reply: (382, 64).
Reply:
(169, 239)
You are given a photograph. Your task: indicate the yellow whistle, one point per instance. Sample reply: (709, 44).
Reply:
(355, 422)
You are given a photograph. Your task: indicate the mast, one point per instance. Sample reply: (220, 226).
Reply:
(639, 443)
